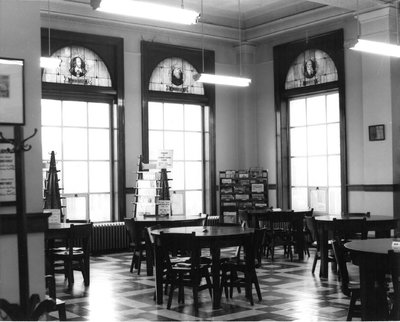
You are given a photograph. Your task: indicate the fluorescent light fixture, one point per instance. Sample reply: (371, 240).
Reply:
(146, 10)
(11, 62)
(222, 80)
(49, 62)
(376, 47)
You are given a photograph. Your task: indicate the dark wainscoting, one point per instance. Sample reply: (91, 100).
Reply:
(36, 223)
(374, 187)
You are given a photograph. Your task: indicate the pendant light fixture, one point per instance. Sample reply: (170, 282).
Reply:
(222, 79)
(377, 47)
(147, 10)
(49, 62)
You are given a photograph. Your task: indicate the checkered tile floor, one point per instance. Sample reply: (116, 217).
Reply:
(289, 291)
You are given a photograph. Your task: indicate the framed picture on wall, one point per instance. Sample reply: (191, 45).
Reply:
(7, 175)
(12, 91)
(376, 132)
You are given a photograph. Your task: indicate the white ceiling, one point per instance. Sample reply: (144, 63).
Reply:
(259, 18)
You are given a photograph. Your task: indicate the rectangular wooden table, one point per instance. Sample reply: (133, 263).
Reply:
(214, 238)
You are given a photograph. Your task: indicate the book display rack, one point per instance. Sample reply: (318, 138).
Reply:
(242, 190)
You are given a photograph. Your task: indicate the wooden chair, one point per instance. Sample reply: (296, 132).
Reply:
(230, 269)
(349, 287)
(394, 262)
(75, 256)
(311, 226)
(59, 304)
(188, 273)
(347, 229)
(280, 233)
(136, 242)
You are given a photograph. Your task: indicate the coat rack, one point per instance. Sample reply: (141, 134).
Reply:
(30, 307)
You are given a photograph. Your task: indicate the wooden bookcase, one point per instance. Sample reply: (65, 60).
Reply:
(242, 190)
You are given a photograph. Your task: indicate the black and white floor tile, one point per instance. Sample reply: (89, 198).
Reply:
(289, 290)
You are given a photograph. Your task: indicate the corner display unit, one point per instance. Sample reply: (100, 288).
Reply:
(242, 190)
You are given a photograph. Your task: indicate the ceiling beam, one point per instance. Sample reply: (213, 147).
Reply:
(354, 5)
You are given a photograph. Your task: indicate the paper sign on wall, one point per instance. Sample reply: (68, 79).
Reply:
(164, 160)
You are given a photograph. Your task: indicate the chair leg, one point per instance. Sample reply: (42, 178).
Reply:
(352, 305)
(314, 262)
(257, 286)
(139, 261)
(62, 312)
(132, 261)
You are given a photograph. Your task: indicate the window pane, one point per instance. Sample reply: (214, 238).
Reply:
(298, 112)
(316, 110)
(75, 177)
(335, 204)
(316, 140)
(206, 118)
(194, 175)
(299, 198)
(317, 171)
(99, 176)
(318, 200)
(194, 204)
(99, 207)
(299, 171)
(74, 113)
(298, 141)
(51, 141)
(333, 138)
(75, 208)
(99, 115)
(173, 116)
(178, 176)
(193, 146)
(75, 144)
(155, 116)
(177, 202)
(334, 170)
(174, 141)
(155, 144)
(99, 144)
(51, 112)
(192, 118)
(332, 108)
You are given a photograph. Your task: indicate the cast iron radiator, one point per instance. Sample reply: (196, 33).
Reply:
(109, 237)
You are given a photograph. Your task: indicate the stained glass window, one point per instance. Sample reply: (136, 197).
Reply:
(78, 66)
(311, 67)
(175, 75)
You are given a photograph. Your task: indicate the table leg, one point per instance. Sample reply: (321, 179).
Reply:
(299, 236)
(323, 248)
(159, 274)
(215, 272)
(149, 260)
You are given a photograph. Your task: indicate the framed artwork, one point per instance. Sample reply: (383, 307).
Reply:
(7, 175)
(12, 91)
(376, 132)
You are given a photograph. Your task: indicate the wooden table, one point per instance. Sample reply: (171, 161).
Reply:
(165, 221)
(371, 255)
(380, 224)
(296, 218)
(215, 238)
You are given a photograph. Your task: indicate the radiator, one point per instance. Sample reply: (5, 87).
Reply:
(109, 237)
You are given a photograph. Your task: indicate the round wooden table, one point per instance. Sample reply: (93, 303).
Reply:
(212, 237)
(371, 255)
(380, 224)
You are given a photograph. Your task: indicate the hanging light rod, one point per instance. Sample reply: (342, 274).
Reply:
(222, 80)
(147, 10)
(376, 47)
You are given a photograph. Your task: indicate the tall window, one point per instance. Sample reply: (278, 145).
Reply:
(181, 128)
(315, 153)
(79, 132)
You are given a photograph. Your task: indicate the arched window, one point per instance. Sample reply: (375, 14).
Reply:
(178, 115)
(311, 128)
(78, 66)
(82, 123)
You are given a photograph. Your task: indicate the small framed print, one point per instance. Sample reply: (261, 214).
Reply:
(12, 91)
(376, 132)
